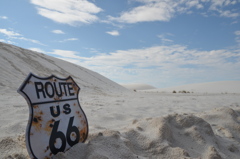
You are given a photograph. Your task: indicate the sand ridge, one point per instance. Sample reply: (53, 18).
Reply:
(171, 136)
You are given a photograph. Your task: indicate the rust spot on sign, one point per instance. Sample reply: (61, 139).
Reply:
(37, 118)
(36, 122)
(75, 87)
(49, 126)
(46, 149)
(83, 133)
(35, 106)
(52, 79)
(73, 135)
(57, 98)
(29, 82)
(83, 122)
(79, 114)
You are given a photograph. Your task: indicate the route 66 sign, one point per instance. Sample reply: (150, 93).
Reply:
(56, 119)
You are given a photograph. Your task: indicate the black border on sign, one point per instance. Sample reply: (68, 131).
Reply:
(30, 104)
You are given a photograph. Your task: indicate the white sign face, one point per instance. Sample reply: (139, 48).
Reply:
(56, 119)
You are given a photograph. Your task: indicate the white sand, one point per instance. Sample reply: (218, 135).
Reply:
(123, 124)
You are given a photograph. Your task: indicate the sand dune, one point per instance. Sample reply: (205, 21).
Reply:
(16, 63)
(211, 87)
(124, 124)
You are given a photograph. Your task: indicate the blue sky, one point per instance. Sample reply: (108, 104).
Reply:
(157, 42)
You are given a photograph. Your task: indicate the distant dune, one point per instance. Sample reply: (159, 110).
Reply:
(139, 86)
(210, 87)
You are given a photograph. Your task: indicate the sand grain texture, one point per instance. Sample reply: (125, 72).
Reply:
(172, 136)
(124, 124)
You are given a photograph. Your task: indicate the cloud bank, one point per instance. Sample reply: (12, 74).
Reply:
(160, 65)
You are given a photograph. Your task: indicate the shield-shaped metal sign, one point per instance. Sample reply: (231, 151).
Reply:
(56, 119)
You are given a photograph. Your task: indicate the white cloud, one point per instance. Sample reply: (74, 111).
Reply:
(37, 50)
(72, 39)
(228, 14)
(162, 10)
(219, 5)
(159, 64)
(113, 33)
(237, 39)
(164, 38)
(58, 32)
(66, 54)
(161, 56)
(163, 63)
(216, 4)
(70, 12)
(30, 40)
(92, 50)
(14, 35)
(9, 33)
(237, 33)
(7, 41)
(69, 39)
(234, 22)
(3, 17)
(194, 3)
